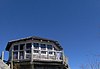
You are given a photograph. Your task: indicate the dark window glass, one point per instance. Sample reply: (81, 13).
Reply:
(55, 48)
(43, 52)
(15, 55)
(28, 46)
(21, 55)
(22, 46)
(43, 46)
(50, 52)
(36, 51)
(36, 45)
(28, 56)
(15, 47)
(28, 51)
(49, 47)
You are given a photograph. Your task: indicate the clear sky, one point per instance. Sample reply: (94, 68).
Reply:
(74, 23)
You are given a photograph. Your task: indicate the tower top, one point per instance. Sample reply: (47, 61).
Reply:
(32, 38)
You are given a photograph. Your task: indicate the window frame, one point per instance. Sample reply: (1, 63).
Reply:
(35, 52)
(49, 48)
(17, 47)
(38, 45)
(51, 54)
(15, 57)
(45, 46)
(20, 47)
(20, 54)
(26, 48)
(43, 53)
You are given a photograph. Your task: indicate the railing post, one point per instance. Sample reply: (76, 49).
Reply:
(63, 57)
(55, 55)
(12, 59)
(32, 54)
(32, 64)
(47, 54)
(39, 54)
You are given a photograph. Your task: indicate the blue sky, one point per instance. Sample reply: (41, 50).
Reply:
(74, 23)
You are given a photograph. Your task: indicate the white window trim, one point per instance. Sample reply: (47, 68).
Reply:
(33, 45)
(45, 45)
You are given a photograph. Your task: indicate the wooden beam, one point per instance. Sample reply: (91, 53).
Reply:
(12, 59)
(32, 65)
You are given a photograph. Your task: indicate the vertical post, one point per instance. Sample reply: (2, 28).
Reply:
(12, 59)
(55, 55)
(19, 52)
(2, 55)
(63, 57)
(25, 51)
(32, 64)
(39, 52)
(47, 54)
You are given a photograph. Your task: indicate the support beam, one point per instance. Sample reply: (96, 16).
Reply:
(63, 57)
(32, 64)
(12, 59)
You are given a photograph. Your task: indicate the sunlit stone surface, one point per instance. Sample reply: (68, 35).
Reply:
(3, 65)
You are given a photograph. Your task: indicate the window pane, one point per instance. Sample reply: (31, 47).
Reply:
(55, 48)
(22, 46)
(49, 47)
(28, 46)
(15, 55)
(21, 55)
(28, 56)
(28, 51)
(36, 51)
(15, 47)
(50, 52)
(43, 46)
(43, 52)
(36, 45)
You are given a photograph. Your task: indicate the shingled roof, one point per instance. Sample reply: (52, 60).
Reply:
(31, 38)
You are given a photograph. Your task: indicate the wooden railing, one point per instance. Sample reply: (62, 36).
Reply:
(55, 56)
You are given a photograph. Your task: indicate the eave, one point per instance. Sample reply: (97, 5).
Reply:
(31, 38)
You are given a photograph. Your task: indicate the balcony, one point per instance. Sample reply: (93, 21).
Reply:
(55, 56)
(41, 55)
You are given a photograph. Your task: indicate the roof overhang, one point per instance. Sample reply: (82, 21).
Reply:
(31, 38)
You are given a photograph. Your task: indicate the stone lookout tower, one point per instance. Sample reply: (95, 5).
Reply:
(36, 53)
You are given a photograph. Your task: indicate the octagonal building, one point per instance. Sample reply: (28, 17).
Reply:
(36, 53)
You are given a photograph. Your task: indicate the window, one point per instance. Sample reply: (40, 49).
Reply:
(36, 51)
(43, 47)
(50, 53)
(15, 55)
(28, 51)
(55, 49)
(28, 56)
(22, 46)
(49, 47)
(15, 47)
(21, 55)
(36, 45)
(43, 52)
(28, 46)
